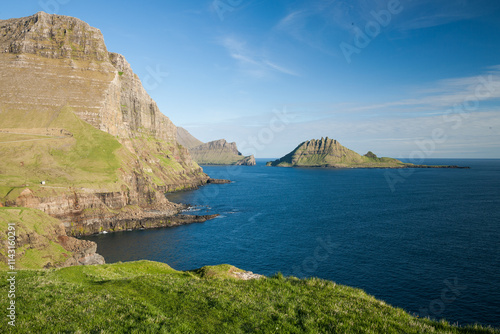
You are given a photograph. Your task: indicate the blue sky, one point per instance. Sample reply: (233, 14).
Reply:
(400, 78)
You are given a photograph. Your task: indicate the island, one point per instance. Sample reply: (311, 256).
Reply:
(329, 153)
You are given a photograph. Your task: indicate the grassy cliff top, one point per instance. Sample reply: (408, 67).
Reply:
(151, 297)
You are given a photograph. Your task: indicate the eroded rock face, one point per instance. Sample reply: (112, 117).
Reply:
(69, 63)
(52, 36)
(41, 241)
(84, 251)
(247, 161)
(50, 62)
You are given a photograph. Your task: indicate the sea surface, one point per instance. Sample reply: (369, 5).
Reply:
(426, 240)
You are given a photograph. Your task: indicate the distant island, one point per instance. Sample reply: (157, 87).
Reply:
(330, 153)
(217, 152)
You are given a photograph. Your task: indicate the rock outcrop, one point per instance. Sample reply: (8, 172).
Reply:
(117, 152)
(327, 152)
(247, 161)
(220, 152)
(42, 242)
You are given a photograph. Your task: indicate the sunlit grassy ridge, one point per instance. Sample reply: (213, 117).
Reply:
(150, 297)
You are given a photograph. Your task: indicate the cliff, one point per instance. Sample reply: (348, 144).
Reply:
(41, 242)
(186, 139)
(330, 153)
(218, 152)
(79, 133)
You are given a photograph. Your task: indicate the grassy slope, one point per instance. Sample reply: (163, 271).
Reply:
(89, 159)
(349, 159)
(43, 231)
(150, 297)
(215, 157)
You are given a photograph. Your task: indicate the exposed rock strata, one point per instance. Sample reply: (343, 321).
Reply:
(140, 221)
(50, 63)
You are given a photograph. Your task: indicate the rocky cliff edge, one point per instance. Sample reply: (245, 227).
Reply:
(110, 150)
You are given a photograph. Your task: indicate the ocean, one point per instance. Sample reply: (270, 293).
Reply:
(425, 240)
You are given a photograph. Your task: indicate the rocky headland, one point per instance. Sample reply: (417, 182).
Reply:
(80, 138)
(217, 152)
(329, 153)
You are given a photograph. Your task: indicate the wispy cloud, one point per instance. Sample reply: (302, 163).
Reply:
(252, 62)
(317, 23)
(393, 128)
(447, 93)
(431, 13)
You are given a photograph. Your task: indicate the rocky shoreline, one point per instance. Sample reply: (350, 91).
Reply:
(148, 221)
(218, 181)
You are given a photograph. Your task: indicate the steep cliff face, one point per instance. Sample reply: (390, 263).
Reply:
(67, 63)
(52, 36)
(330, 153)
(109, 146)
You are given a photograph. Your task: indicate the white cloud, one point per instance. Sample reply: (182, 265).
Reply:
(251, 62)
(393, 128)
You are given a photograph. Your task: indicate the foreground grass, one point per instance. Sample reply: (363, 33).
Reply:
(150, 297)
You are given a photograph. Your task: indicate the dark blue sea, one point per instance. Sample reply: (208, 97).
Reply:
(426, 240)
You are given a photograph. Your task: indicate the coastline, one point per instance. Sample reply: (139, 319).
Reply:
(152, 220)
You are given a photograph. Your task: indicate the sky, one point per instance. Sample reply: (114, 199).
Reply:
(401, 78)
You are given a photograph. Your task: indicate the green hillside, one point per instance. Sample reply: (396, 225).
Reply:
(150, 297)
(84, 157)
(41, 241)
(76, 154)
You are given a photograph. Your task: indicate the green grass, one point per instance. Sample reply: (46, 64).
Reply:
(150, 297)
(90, 158)
(340, 157)
(40, 230)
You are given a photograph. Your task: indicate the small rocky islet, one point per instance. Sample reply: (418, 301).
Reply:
(329, 153)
